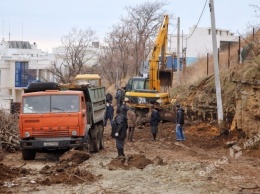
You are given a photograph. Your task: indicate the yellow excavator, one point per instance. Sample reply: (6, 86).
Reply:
(142, 92)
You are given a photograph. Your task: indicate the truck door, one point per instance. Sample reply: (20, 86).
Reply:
(84, 112)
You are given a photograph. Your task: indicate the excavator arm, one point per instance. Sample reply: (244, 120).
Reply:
(158, 74)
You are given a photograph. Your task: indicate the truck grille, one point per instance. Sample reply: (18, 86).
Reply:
(51, 133)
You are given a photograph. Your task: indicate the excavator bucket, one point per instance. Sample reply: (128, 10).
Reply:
(165, 77)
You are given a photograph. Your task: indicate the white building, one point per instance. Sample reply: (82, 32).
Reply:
(91, 54)
(20, 64)
(199, 42)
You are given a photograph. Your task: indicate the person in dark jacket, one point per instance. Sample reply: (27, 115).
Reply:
(155, 119)
(109, 113)
(123, 93)
(109, 97)
(179, 123)
(119, 99)
(120, 134)
(124, 108)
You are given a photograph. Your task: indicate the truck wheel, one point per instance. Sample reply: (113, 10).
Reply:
(102, 142)
(96, 145)
(96, 139)
(43, 86)
(89, 144)
(101, 136)
(85, 146)
(28, 154)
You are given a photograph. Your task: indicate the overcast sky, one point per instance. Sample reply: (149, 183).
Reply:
(46, 21)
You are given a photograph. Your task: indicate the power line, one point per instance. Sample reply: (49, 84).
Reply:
(198, 20)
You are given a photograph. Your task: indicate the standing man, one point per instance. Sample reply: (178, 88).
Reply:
(118, 98)
(109, 97)
(123, 93)
(124, 108)
(109, 113)
(155, 119)
(131, 122)
(179, 123)
(120, 134)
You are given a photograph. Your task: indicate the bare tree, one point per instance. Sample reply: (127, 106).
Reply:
(257, 15)
(129, 42)
(75, 55)
(145, 20)
(116, 56)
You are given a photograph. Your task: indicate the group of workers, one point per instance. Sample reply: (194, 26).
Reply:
(126, 119)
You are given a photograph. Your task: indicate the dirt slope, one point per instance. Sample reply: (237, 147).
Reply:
(240, 88)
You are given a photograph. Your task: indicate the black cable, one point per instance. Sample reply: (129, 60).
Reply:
(198, 20)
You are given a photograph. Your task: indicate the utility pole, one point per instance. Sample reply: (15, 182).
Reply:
(216, 67)
(178, 51)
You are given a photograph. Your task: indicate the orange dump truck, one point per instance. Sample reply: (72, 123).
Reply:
(53, 119)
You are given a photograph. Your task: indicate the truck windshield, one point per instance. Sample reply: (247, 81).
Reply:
(50, 103)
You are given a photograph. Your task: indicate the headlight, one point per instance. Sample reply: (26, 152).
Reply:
(27, 134)
(74, 133)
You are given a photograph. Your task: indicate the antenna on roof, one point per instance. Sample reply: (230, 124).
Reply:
(9, 30)
(22, 28)
(3, 29)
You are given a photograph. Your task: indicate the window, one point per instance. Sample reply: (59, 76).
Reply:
(36, 104)
(64, 103)
(23, 75)
(138, 84)
(83, 103)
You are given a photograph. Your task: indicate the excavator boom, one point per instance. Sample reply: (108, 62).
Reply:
(159, 75)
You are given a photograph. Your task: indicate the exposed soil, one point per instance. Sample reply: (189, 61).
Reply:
(201, 164)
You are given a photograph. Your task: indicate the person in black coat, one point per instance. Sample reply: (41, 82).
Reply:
(124, 108)
(109, 113)
(154, 122)
(120, 134)
(119, 98)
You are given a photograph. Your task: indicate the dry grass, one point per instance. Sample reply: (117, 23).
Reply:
(9, 131)
(199, 69)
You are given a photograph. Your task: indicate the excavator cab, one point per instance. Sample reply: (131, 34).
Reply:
(137, 83)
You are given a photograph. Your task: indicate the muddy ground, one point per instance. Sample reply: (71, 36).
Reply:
(201, 164)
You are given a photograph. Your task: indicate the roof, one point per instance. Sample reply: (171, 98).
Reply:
(87, 76)
(139, 78)
(19, 44)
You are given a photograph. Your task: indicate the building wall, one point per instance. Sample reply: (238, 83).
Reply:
(91, 54)
(37, 60)
(199, 41)
(8, 57)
